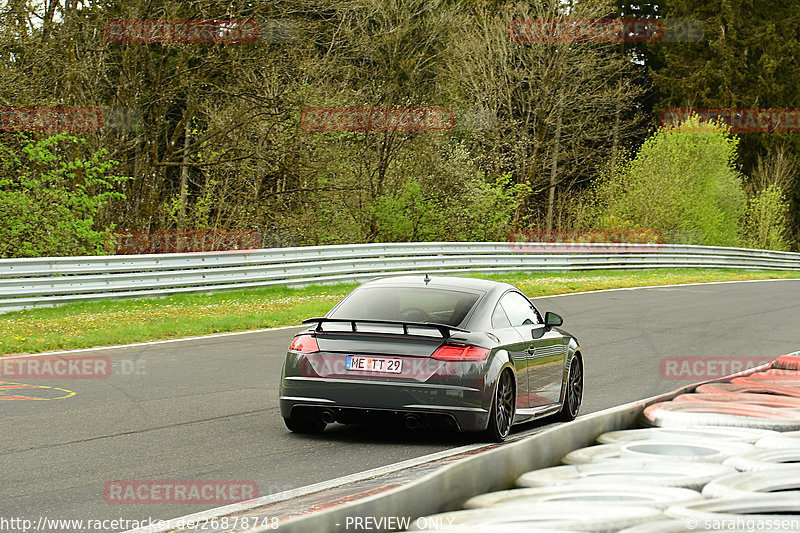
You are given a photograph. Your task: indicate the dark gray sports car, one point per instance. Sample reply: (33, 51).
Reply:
(443, 352)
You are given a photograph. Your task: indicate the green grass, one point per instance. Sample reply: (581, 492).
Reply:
(102, 323)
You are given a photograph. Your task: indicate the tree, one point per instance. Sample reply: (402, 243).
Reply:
(51, 191)
(215, 138)
(766, 223)
(682, 182)
(561, 106)
(765, 220)
(746, 59)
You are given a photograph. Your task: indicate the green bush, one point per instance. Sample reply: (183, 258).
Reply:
(446, 199)
(765, 220)
(682, 182)
(431, 190)
(49, 196)
(476, 211)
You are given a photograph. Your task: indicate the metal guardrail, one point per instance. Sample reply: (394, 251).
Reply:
(49, 281)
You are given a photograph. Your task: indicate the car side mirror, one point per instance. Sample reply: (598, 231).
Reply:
(552, 319)
(538, 331)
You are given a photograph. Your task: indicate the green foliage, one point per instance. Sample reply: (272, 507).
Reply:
(451, 201)
(747, 58)
(478, 211)
(402, 216)
(197, 213)
(50, 192)
(431, 191)
(765, 220)
(553, 114)
(682, 182)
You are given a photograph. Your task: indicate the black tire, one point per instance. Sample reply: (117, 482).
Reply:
(501, 416)
(573, 392)
(304, 425)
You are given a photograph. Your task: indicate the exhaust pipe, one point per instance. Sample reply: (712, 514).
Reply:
(327, 416)
(411, 421)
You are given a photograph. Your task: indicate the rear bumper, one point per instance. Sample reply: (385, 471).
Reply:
(353, 400)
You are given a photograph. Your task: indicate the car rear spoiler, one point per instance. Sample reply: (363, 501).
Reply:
(444, 329)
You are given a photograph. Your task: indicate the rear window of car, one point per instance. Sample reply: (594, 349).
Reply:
(441, 306)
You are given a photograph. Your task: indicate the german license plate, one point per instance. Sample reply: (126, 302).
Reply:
(374, 364)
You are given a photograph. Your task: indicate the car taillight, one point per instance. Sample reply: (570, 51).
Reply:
(304, 344)
(454, 352)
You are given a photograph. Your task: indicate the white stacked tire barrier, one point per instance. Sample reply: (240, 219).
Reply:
(735, 414)
(782, 510)
(697, 434)
(659, 450)
(787, 362)
(655, 474)
(737, 442)
(787, 439)
(743, 484)
(759, 388)
(674, 526)
(503, 528)
(651, 496)
(766, 400)
(764, 459)
(595, 518)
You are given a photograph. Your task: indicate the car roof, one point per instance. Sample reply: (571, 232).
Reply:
(444, 282)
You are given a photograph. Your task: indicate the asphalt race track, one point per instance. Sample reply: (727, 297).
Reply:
(207, 409)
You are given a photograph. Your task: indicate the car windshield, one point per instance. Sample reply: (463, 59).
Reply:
(406, 304)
